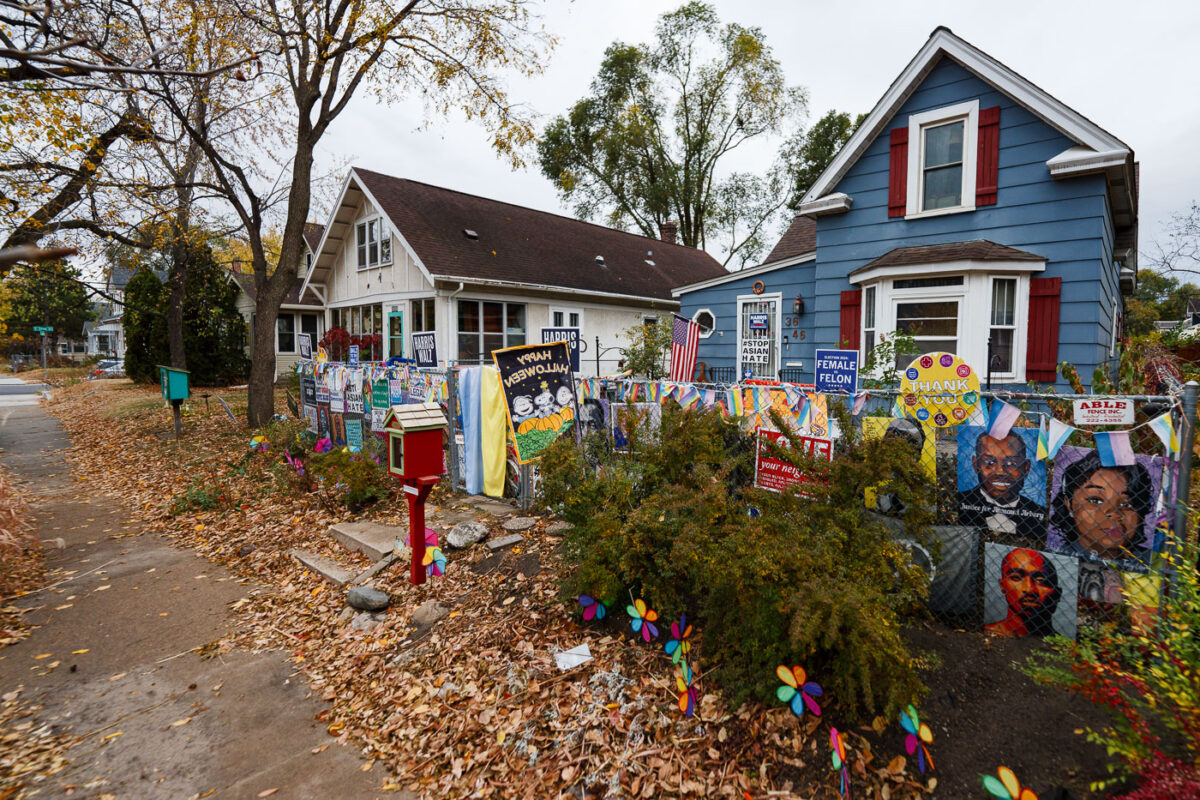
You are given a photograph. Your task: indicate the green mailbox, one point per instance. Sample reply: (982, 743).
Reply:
(174, 383)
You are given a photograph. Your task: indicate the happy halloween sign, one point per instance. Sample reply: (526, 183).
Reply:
(539, 395)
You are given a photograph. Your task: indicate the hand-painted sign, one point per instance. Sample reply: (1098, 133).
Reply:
(758, 322)
(337, 402)
(1104, 411)
(305, 340)
(776, 474)
(380, 401)
(568, 335)
(940, 388)
(354, 402)
(352, 358)
(425, 349)
(354, 435)
(756, 351)
(539, 395)
(837, 371)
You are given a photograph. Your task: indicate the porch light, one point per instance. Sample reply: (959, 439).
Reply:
(798, 306)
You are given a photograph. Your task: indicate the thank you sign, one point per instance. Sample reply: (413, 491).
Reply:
(425, 349)
(568, 335)
(837, 371)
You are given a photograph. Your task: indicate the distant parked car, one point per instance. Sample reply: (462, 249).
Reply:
(108, 368)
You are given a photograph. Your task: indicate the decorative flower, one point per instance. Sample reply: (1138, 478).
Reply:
(1008, 787)
(323, 445)
(796, 692)
(919, 736)
(435, 562)
(839, 758)
(678, 647)
(260, 443)
(687, 692)
(643, 619)
(592, 608)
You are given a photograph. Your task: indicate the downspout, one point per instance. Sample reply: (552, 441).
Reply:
(450, 317)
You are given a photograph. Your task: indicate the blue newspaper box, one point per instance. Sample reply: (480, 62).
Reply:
(174, 383)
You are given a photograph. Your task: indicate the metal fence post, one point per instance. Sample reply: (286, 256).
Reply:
(1191, 391)
(452, 413)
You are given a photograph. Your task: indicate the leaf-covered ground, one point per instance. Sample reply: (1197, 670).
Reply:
(475, 706)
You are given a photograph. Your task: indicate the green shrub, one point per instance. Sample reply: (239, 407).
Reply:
(811, 580)
(199, 496)
(352, 479)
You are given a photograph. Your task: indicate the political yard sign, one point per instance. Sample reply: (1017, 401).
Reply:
(568, 335)
(539, 395)
(425, 349)
(837, 371)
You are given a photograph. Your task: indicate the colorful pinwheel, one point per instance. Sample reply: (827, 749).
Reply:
(643, 619)
(435, 561)
(839, 758)
(678, 647)
(323, 445)
(592, 608)
(919, 737)
(796, 691)
(1008, 787)
(260, 443)
(687, 692)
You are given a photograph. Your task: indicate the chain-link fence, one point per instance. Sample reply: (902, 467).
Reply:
(1042, 527)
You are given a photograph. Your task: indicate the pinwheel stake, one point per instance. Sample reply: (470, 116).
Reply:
(415, 433)
(919, 737)
(1007, 787)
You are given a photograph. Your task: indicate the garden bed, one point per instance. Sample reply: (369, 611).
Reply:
(477, 704)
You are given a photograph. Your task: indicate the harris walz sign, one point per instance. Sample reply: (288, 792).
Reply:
(539, 397)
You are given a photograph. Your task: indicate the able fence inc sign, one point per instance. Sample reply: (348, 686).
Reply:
(1104, 411)
(836, 371)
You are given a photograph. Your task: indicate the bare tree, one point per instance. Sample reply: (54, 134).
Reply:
(1181, 250)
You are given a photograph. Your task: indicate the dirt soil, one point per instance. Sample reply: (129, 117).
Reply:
(985, 713)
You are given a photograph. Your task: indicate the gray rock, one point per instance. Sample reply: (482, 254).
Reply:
(246, 549)
(519, 523)
(559, 527)
(365, 621)
(506, 541)
(466, 534)
(367, 598)
(429, 613)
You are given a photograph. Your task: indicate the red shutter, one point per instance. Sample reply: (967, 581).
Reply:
(1041, 352)
(851, 316)
(987, 158)
(898, 173)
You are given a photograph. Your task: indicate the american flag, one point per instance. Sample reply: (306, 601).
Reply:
(685, 338)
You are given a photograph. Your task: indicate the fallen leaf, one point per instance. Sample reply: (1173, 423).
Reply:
(896, 765)
(267, 792)
(179, 722)
(80, 652)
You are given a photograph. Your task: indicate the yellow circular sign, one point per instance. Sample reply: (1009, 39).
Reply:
(940, 389)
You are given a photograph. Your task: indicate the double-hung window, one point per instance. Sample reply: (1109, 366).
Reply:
(942, 147)
(1003, 329)
(286, 327)
(485, 326)
(373, 243)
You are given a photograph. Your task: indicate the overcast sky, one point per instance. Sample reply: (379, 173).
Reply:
(1132, 68)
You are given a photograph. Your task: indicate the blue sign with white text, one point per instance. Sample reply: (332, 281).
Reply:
(758, 322)
(837, 371)
(353, 359)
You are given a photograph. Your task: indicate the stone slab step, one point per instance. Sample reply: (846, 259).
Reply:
(369, 538)
(330, 570)
(505, 541)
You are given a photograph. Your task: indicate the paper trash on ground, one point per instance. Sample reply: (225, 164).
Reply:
(569, 659)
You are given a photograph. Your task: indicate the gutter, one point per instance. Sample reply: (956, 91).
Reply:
(652, 302)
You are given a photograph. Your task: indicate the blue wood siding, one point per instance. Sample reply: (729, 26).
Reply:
(1066, 221)
(720, 349)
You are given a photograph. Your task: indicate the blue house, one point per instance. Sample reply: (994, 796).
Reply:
(971, 209)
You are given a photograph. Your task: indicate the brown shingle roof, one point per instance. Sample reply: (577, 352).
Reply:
(976, 250)
(312, 234)
(798, 239)
(292, 298)
(521, 245)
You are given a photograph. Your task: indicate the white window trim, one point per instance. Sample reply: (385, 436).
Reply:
(567, 311)
(974, 299)
(506, 301)
(383, 232)
(742, 300)
(917, 123)
(711, 330)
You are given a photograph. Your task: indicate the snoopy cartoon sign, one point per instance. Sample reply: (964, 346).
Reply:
(538, 394)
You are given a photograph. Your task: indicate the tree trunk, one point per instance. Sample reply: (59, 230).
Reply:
(261, 406)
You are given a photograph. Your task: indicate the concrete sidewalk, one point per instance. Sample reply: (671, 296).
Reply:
(112, 656)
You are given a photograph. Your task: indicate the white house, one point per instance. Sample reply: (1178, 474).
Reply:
(398, 256)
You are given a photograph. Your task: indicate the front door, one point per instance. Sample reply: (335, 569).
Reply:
(758, 336)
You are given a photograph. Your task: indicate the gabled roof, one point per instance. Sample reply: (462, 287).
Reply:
(800, 238)
(1097, 150)
(292, 298)
(312, 235)
(454, 236)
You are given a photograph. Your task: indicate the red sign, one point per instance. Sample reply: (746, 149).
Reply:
(775, 474)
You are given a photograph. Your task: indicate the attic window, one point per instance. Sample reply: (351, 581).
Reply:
(470, 234)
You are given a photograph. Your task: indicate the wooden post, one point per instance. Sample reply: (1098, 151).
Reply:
(175, 412)
(416, 524)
